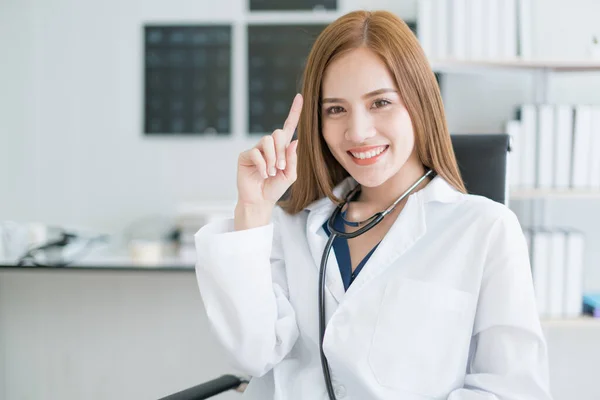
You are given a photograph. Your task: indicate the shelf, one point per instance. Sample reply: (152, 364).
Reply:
(517, 194)
(297, 17)
(469, 66)
(579, 322)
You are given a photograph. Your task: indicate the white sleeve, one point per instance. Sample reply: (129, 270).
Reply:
(508, 356)
(242, 280)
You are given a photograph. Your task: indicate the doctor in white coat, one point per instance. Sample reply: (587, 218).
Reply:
(434, 302)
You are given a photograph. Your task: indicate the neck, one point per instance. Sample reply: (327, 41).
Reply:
(384, 195)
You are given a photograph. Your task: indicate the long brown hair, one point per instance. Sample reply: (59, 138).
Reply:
(392, 40)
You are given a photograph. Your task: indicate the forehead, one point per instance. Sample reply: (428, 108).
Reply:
(355, 73)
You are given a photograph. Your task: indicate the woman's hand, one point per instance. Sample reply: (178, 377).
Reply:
(266, 171)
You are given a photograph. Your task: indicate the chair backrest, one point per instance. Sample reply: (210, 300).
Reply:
(482, 160)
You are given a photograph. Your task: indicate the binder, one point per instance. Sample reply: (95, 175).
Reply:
(546, 143)
(564, 146)
(492, 27)
(441, 29)
(525, 22)
(476, 30)
(528, 233)
(508, 33)
(581, 147)
(573, 285)
(595, 149)
(425, 27)
(556, 275)
(513, 129)
(528, 113)
(541, 257)
(458, 29)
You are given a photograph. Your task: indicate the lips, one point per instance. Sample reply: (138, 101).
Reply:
(367, 155)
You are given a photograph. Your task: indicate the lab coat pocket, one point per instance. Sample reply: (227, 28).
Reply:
(421, 338)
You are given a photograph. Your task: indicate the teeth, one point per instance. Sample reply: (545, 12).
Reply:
(368, 154)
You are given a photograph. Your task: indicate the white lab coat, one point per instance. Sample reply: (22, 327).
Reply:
(443, 309)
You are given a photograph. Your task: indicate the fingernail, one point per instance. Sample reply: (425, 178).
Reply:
(272, 171)
(281, 164)
(265, 175)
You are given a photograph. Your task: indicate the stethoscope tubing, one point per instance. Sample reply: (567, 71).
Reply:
(335, 233)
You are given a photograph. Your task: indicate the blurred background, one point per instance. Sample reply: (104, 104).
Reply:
(120, 127)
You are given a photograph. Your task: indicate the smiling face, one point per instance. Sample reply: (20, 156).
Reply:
(364, 122)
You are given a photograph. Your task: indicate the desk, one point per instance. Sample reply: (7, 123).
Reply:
(115, 329)
(117, 263)
(104, 329)
(112, 258)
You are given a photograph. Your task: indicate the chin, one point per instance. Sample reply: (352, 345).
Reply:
(371, 180)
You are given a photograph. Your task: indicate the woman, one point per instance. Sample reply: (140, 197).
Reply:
(434, 302)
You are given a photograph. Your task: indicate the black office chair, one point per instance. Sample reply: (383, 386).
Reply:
(211, 388)
(482, 160)
(483, 163)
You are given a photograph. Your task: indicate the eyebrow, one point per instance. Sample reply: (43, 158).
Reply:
(364, 96)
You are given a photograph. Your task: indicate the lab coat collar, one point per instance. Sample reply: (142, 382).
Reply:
(407, 229)
(339, 191)
(437, 190)
(319, 211)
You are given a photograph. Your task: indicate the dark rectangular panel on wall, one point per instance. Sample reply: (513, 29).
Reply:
(187, 79)
(289, 5)
(276, 59)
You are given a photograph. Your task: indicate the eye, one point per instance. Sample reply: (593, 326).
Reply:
(334, 110)
(381, 103)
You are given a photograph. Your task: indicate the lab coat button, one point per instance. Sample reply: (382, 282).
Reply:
(340, 392)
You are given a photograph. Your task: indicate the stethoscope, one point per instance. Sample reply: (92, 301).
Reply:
(368, 223)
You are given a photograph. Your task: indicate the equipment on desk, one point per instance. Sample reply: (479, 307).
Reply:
(16, 238)
(55, 252)
(192, 216)
(482, 160)
(152, 238)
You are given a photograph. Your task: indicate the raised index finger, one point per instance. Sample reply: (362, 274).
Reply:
(291, 122)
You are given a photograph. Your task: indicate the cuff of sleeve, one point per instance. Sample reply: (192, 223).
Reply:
(217, 241)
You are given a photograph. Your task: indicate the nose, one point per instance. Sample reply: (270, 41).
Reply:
(360, 127)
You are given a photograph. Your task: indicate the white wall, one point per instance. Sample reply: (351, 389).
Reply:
(72, 150)
(71, 137)
(72, 123)
(88, 162)
(16, 65)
